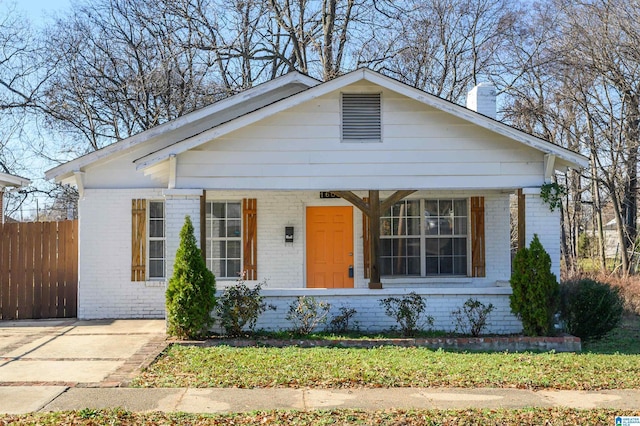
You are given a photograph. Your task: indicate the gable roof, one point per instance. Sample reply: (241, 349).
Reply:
(215, 123)
(570, 158)
(194, 122)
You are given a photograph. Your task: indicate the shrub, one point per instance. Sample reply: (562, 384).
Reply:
(340, 322)
(590, 309)
(472, 317)
(407, 312)
(191, 294)
(535, 289)
(306, 313)
(240, 306)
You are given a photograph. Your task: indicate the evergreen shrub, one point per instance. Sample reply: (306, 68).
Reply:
(590, 309)
(191, 294)
(535, 290)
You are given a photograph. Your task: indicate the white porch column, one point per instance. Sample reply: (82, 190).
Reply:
(178, 204)
(541, 220)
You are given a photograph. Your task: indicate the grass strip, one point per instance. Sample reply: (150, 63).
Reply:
(387, 366)
(534, 416)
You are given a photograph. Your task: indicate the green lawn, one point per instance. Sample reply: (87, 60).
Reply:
(612, 363)
(387, 366)
(538, 416)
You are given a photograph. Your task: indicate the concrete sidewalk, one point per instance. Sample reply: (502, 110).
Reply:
(24, 399)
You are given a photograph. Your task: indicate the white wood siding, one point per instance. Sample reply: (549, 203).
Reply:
(421, 148)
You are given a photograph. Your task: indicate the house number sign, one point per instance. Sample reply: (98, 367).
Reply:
(327, 194)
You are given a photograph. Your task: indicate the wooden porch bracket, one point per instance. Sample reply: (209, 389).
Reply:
(373, 210)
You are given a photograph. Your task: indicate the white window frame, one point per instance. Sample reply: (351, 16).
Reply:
(151, 239)
(210, 239)
(423, 237)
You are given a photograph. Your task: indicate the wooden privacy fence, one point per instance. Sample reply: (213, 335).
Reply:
(38, 270)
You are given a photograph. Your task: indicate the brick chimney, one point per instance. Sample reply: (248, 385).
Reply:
(482, 99)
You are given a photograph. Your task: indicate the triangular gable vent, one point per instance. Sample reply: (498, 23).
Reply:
(361, 117)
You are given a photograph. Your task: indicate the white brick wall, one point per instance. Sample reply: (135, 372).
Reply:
(105, 289)
(370, 315)
(542, 221)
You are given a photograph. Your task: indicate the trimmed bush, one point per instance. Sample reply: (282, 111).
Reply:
(407, 311)
(307, 313)
(590, 309)
(472, 317)
(535, 290)
(191, 294)
(239, 307)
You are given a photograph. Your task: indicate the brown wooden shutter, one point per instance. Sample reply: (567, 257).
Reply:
(250, 238)
(138, 239)
(366, 255)
(477, 237)
(203, 230)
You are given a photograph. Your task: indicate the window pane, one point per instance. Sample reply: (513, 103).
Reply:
(446, 265)
(446, 226)
(460, 207)
(431, 208)
(399, 227)
(446, 247)
(385, 247)
(460, 265)
(233, 268)
(413, 247)
(413, 266)
(431, 225)
(413, 226)
(399, 266)
(156, 209)
(233, 228)
(156, 249)
(460, 226)
(432, 265)
(218, 268)
(218, 210)
(413, 208)
(218, 228)
(445, 208)
(156, 228)
(218, 249)
(385, 226)
(432, 247)
(460, 246)
(233, 210)
(208, 210)
(156, 268)
(233, 249)
(385, 266)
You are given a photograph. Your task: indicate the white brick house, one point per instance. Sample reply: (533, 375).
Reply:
(260, 174)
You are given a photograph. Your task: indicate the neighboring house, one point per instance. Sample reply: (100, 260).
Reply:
(259, 173)
(9, 181)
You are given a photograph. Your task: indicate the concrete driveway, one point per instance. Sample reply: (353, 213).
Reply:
(104, 353)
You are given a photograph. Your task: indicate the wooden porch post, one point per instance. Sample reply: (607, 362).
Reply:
(374, 239)
(373, 210)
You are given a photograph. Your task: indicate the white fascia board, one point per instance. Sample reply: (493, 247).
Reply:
(574, 160)
(12, 180)
(66, 170)
(247, 119)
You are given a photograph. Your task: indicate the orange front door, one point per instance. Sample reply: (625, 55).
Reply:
(329, 247)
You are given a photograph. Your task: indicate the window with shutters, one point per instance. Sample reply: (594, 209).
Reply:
(157, 246)
(224, 238)
(361, 117)
(425, 238)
